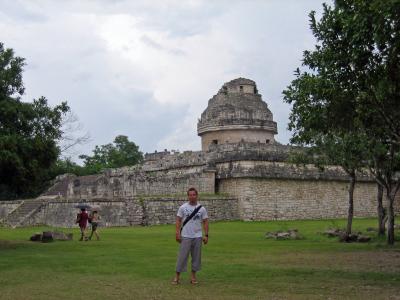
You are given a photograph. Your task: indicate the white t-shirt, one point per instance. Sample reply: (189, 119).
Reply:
(192, 228)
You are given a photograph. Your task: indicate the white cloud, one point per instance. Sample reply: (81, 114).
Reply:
(147, 68)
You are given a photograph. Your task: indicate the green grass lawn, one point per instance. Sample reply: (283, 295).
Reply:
(238, 263)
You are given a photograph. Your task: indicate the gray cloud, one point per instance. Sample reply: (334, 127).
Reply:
(146, 69)
(16, 11)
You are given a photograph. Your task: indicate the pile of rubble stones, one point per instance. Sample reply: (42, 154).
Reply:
(348, 238)
(50, 236)
(291, 234)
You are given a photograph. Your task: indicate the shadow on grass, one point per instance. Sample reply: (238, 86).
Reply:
(7, 245)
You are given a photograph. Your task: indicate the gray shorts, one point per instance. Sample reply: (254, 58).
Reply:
(192, 246)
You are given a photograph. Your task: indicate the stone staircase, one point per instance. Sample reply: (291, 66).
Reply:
(25, 210)
(59, 188)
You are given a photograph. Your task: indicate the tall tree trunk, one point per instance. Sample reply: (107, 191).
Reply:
(390, 213)
(351, 206)
(381, 212)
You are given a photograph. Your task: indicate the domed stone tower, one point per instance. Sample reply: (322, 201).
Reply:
(236, 113)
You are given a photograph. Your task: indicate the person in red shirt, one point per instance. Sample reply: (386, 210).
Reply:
(82, 220)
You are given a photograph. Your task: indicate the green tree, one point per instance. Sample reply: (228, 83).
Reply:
(28, 133)
(122, 153)
(67, 165)
(350, 86)
(333, 148)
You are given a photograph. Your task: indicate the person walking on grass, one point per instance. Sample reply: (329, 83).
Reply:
(82, 220)
(94, 219)
(189, 220)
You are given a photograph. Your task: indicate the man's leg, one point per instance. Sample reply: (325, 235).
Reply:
(82, 233)
(181, 264)
(195, 250)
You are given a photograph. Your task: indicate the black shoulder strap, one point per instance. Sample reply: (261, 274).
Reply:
(191, 216)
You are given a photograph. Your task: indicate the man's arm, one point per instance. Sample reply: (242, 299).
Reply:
(178, 223)
(205, 226)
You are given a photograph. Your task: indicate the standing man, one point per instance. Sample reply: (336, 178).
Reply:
(189, 220)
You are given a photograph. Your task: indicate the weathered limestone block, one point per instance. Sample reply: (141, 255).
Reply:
(291, 234)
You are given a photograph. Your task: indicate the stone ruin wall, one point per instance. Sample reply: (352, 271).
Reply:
(245, 151)
(130, 212)
(173, 160)
(259, 184)
(125, 182)
(123, 193)
(281, 191)
(160, 211)
(282, 199)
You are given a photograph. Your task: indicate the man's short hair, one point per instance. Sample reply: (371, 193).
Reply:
(192, 189)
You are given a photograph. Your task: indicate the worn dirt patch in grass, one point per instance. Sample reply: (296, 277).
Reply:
(9, 245)
(387, 261)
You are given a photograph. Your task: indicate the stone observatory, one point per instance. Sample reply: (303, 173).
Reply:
(241, 173)
(236, 114)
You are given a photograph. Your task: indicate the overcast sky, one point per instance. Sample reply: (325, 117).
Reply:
(146, 69)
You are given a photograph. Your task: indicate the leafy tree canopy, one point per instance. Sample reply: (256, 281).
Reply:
(350, 86)
(119, 154)
(346, 98)
(28, 133)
